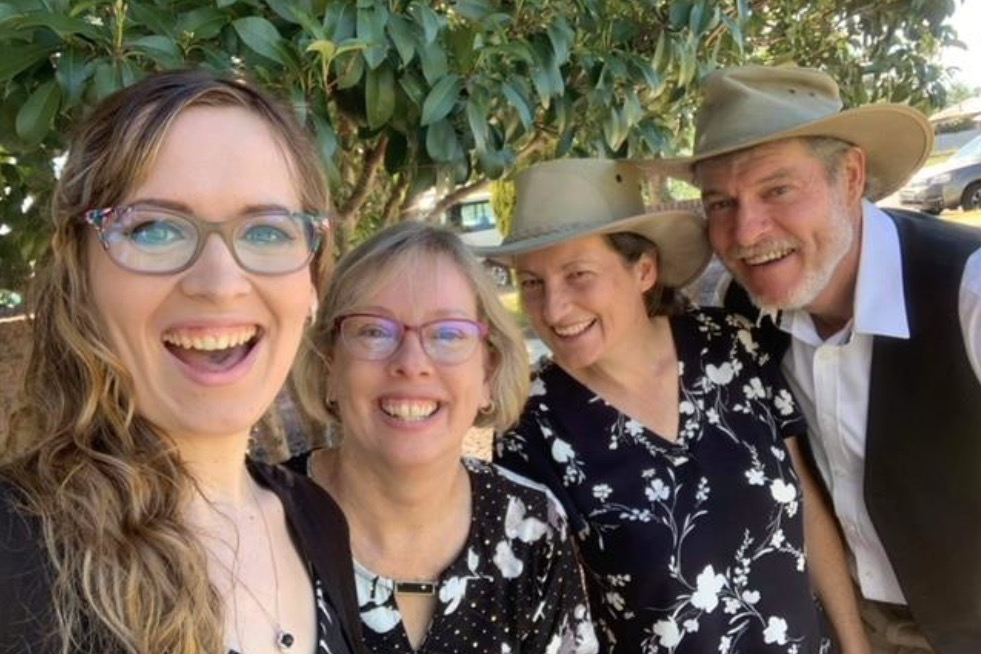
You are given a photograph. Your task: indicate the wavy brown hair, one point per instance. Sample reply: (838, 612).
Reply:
(108, 487)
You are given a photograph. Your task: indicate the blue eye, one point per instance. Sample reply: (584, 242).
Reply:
(263, 234)
(447, 333)
(155, 233)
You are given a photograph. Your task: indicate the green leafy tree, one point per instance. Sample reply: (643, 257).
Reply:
(405, 96)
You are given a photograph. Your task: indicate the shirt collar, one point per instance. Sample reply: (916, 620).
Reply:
(880, 306)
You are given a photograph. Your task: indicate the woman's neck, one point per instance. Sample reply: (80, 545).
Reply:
(628, 365)
(217, 465)
(405, 524)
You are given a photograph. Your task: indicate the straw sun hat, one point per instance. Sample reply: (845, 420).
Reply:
(748, 106)
(566, 199)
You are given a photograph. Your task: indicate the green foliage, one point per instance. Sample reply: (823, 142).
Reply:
(406, 95)
(503, 198)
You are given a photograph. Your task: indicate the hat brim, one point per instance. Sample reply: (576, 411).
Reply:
(682, 245)
(896, 140)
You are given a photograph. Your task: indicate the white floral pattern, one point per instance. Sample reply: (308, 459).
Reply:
(515, 588)
(689, 546)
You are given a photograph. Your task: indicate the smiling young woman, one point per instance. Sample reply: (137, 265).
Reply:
(189, 221)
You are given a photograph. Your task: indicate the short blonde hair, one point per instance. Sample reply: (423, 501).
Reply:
(376, 262)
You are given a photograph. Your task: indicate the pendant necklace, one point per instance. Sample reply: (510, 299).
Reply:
(284, 638)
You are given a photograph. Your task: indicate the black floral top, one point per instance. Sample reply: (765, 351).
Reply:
(515, 587)
(689, 546)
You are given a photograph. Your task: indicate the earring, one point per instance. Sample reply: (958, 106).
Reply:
(488, 408)
(312, 315)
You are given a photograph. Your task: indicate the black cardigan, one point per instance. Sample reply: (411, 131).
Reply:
(315, 522)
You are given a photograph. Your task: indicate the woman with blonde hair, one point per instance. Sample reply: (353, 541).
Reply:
(411, 349)
(188, 223)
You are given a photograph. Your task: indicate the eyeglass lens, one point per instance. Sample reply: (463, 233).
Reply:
(375, 338)
(155, 240)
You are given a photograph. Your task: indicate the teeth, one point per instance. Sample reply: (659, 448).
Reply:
(572, 330)
(766, 257)
(409, 410)
(212, 340)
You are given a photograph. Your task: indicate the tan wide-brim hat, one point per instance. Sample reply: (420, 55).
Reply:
(566, 199)
(748, 106)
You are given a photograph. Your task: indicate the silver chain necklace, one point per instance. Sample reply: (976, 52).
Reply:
(284, 638)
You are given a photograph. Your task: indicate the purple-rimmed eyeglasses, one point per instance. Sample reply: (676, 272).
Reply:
(375, 338)
(160, 241)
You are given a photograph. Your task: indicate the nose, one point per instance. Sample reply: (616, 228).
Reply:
(410, 359)
(216, 274)
(750, 223)
(555, 303)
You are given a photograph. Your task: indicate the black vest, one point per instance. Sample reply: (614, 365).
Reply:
(923, 437)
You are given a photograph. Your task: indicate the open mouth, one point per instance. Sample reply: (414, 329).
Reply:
(212, 350)
(409, 410)
(569, 331)
(767, 256)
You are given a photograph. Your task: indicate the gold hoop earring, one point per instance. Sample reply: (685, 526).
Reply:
(488, 408)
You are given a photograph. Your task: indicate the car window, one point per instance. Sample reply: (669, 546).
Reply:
(970, 151)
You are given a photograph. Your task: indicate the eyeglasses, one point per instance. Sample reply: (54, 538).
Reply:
(374, 338)
(158, 241)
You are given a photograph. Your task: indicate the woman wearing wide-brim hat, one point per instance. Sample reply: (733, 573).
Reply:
(665, 431)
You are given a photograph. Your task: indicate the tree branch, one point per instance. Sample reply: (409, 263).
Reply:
(453, 197)
(372, 162)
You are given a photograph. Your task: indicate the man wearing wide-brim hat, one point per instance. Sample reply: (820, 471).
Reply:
(878, 320)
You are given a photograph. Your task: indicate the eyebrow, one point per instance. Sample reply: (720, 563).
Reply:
(176, 205)
(777, 175)
(438, 314)
(564, 266)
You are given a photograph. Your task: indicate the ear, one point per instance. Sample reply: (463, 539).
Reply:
(853, 175)
(646, 270)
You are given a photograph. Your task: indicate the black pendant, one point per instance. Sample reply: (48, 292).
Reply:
(415, 587)
(284, 639)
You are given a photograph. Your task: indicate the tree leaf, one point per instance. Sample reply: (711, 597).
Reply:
(72, 73)
(473, 10)
(441, 99)
(400, 31)
(518, 97)
(287, 10)
(414, 88)
(34, 118)
(477, 118)
(260, 36)
(429, 20)
(18, 58)
(561, 37)
(380, 95)
(61, 24)
(152, 19)
(340, 21)
(434, 63)
(441, 141)
(371, 21)
(203, 23)
(160, 49)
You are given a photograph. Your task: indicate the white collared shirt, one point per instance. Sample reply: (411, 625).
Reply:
(830, 379)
